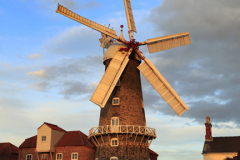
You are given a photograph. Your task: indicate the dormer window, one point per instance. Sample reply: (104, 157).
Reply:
(43, 138)
(116, 101)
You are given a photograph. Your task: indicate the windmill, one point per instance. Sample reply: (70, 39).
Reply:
(122, 123)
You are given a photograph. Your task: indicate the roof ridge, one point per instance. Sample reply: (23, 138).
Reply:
(50, 123)
(81, 137)
(10, 148)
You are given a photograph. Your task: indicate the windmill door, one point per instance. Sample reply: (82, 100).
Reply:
(115, 125)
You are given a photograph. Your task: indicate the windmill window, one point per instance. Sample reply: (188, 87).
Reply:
(114, 142)
(74, 156)
(44, 157)
(29, 157)
(44, 138)
(118, 83)
(59, 156)
(115, 121)
(116, 101)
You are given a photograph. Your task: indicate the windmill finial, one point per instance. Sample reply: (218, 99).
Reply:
(121, 35)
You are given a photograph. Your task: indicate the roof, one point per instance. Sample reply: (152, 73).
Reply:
(29, 142)
(222, 144)
(75, 138)
(7, 149)
(53, 126)
(152, 152)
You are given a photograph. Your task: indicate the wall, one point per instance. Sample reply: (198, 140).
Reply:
(43, 146)
(13, 157)
(84, 153)
(24, 151)
(153, 156)
(218, 156)
(55, 137)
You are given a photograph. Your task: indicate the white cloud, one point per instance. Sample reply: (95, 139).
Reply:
(35, 56)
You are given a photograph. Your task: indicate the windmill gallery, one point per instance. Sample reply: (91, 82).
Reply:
(122, 132)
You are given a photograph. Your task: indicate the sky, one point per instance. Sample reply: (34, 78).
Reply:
(50, 65)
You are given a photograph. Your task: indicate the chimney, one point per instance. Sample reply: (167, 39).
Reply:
(208, 136)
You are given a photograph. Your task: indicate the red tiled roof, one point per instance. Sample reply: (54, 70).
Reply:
(222, 144)
(54, 127)
(152, 152)
(29, 142)
(7, 149)
(75, 138)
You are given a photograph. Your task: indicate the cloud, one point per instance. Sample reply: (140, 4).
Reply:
(35, 56)
(73, 40)
(204, 74)
(76, 88)
(74, 4)
(40, 86)
(37, 74)
(70, 77)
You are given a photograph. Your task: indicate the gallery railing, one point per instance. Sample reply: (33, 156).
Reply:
(132, 129)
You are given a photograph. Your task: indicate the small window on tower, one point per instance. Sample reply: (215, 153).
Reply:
(115, 101)
(43, 138)
(114, 121)
(118, 83)
(113, 158)
(114, 142)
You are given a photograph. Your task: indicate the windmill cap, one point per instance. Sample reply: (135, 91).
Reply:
(114, 49)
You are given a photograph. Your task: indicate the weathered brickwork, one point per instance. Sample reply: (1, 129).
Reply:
(23, 152)
(130, 111)
(123, 152)
(84, 153)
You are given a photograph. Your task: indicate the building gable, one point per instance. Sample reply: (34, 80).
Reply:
(47, 137)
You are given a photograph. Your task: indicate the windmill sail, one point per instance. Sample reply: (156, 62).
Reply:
(168, 42)
(129, 14)
(110, 78)
(66, 12)
(162, 87)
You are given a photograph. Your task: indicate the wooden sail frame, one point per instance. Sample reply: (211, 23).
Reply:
(163, 88)
(110, 78)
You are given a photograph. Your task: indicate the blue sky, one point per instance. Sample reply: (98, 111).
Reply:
(50, 65)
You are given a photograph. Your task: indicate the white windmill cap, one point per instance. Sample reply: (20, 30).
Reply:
(114, 49)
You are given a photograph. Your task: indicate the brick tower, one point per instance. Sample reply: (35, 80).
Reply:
(122, 132)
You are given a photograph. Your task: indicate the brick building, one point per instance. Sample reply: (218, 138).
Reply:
(8, 151)
(54, 143)
(219, 148)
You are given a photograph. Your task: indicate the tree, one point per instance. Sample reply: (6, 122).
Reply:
(234, 158)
